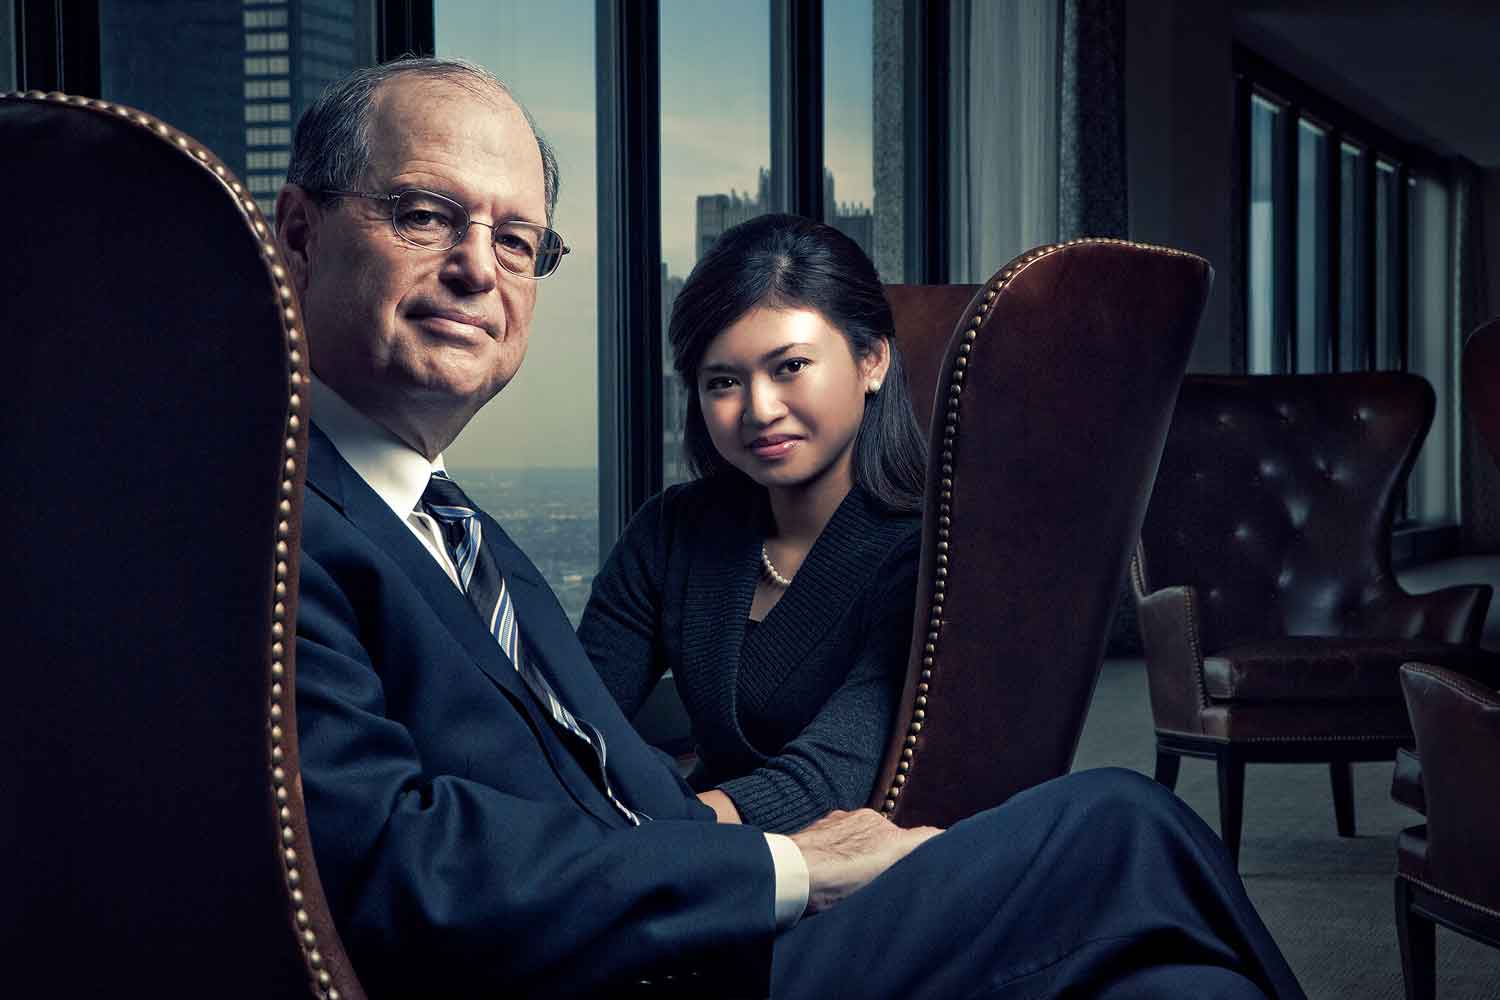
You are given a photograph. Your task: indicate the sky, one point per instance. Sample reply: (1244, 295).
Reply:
(715, 128)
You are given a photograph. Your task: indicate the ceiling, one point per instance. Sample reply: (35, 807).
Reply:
(1428, 72)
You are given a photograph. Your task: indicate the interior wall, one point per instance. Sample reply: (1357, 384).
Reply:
(1179, 132)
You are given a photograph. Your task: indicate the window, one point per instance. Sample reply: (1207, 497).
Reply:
(267, 88)
(1354, 227)
(1314, 244)
(267, 113)
(1266, 211)
(849, 128)
(715, 155)
(273, 41)
(530, 457)
(1346, 264)
(264, 64)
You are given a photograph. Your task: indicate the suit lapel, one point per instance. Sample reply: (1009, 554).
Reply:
(337, 481)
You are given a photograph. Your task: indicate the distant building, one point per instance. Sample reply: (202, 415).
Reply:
(168, 57)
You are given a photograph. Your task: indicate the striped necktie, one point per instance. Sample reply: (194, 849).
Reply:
(482, 581)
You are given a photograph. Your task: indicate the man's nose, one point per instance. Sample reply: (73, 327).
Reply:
(471, 264)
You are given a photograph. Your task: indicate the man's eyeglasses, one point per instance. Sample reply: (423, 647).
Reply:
(434, 222)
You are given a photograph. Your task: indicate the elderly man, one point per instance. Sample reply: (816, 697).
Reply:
(485, 820)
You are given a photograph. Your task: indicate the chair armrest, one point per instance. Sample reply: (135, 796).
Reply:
(1457, 725)
(1452, 614)
(1168, 620)
(1406, 781)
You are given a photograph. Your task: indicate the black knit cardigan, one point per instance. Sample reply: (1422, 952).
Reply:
(792, 720)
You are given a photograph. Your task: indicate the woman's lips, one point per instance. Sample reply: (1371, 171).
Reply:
(773, 446)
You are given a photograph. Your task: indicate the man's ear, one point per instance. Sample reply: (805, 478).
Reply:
(297, 216)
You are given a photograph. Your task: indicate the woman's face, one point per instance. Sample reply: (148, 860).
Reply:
(783, 395)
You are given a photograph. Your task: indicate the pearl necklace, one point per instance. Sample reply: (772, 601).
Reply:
(775, 577)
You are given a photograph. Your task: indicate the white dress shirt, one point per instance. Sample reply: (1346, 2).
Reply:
(398, 475)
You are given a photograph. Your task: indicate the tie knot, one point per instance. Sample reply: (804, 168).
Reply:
(446, 501)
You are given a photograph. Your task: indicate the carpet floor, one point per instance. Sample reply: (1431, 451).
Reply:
(1326, 899)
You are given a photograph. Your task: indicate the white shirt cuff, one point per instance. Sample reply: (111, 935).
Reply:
(791, 879)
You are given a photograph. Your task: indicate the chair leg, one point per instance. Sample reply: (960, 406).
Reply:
(1342, 774)
(1167, 766)
(1418, 939)
(1231, 802)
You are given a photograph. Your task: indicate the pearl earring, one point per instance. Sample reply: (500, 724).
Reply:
(875, 386)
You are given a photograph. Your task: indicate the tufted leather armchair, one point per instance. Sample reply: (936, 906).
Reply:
(1272, 621)
(1048, 391)
(154, 435)
(1481, 378)
(1448, 869)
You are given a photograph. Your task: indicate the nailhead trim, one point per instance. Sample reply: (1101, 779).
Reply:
(950, 402)
(204, 158)
(1451, 897)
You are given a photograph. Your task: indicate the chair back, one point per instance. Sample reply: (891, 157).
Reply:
(1275, 499)
(1481, 378)
(154, 436)
(1052, 401)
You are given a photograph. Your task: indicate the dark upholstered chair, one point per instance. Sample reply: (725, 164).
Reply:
(1481, 379)
(1447, 870)
(1273, 623)
(1053, 386)
(153, 439)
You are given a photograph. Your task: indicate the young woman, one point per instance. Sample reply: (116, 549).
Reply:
(778, 587)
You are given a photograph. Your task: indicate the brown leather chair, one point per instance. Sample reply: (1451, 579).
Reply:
(1050, 389)
(1481, 378)
(1448, 869)
(154, 436)
(1273, 623)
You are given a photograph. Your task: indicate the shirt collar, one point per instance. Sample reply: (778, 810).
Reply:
(397, 473)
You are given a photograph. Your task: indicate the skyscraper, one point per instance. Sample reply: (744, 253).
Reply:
(234, 74)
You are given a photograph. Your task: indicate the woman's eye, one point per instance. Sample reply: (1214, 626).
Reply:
(794, 365)
(718, 383)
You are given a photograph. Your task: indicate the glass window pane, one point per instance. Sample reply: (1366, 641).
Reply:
(1261, 291)
(715, 152)
(214, 71)
(849, 126)
(1434, 351)
(1314, 318)
(530, 457)
(1387, 267)
(1354, 322)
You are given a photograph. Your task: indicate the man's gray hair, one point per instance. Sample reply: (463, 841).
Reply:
(331, 149)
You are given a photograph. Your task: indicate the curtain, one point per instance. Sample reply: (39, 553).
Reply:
(1091, 195)
(1003, 137)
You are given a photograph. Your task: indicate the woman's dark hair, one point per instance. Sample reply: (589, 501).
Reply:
(788, 262)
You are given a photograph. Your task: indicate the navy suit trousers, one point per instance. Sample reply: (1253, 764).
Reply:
(1101, 884)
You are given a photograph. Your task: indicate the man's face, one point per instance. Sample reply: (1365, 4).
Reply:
(419, 339)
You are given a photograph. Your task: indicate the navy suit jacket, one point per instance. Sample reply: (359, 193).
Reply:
(462, 844)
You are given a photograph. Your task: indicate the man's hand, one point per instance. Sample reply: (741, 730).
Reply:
(846, 850)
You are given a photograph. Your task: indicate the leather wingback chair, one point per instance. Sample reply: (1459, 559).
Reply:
(1448, 869)
(154, 435)
(1273, 623)
(1481, 378)
(1050, 389)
